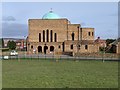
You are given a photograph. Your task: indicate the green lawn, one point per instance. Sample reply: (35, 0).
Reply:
(62, 74)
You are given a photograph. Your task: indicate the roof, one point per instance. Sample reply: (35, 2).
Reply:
(51, 15)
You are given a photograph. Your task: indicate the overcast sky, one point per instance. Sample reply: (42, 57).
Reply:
(101, 16)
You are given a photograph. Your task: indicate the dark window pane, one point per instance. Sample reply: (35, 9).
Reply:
(51, 35)
(39, 37)
(47, 36)
(86, 46)
(43, 36)
(31, 47)
(73, 35)
(71, 46)
(89, 33)
(55, 37)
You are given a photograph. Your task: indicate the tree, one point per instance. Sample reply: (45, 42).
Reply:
(1, 43)
(108, 41)
(11, 45)
(110, 48)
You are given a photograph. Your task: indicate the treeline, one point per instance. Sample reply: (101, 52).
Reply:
(11, 45)
(108, 41)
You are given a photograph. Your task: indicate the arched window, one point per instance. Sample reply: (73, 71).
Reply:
(39, 48)
(86, 46)
(78, 46)
(39, 37)
(51, 48)
(59, 46)
(88, 33)
(43, 36)
(73, 35)
(32, 47)
(92, 33)
(47, 36)
(71, 47)
(55, 38)
(51, 36)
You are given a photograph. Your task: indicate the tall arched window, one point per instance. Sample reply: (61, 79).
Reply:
(51, 35)
(73, 35)
(92, 33)
(86, 46)
(32, 47)
(55, 38)
(43, 35)
(39, 37)
(88, 33)
(47, 36)
(71, 46)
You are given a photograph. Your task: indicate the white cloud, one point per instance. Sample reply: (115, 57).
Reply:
(8, 18)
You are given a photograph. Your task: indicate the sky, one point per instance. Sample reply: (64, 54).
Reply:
(103, 16)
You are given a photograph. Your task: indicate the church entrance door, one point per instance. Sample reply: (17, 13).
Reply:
(39, 49)
(45, 49)
(51, 48)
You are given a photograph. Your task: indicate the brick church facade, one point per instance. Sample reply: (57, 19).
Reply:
(53, 34)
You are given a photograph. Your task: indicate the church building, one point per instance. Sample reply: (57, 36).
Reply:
(53, 34)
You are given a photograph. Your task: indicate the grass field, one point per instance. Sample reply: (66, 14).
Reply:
(62, 74)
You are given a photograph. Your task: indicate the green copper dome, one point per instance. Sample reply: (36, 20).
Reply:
(50, 15)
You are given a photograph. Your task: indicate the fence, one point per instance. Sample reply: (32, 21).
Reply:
(112, 57)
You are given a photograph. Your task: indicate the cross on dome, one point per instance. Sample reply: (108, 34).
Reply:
(51, 10)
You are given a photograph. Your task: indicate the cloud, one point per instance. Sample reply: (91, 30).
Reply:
(14, 30)
(8, 18)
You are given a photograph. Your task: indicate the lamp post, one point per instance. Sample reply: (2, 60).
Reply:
(24, 45)
(78, 40)
(103, 53)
